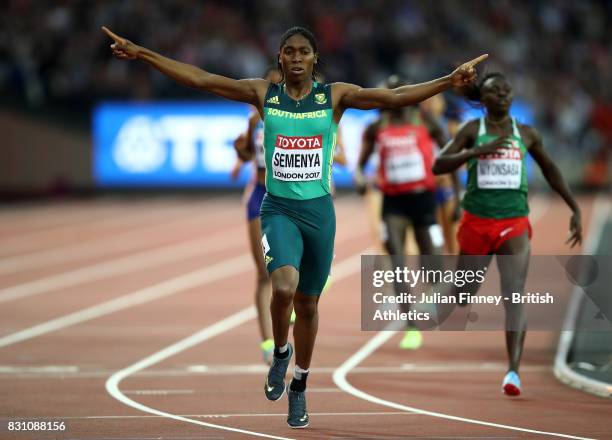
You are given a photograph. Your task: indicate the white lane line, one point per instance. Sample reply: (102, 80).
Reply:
(74, 372)
(119, 266)
(463, 368)
(94, 247)
(65, 223)
(214, 272)
(114, 218)
(224, 416)
(47, 213)
(343, 269)
(474, 367)
(183, 282)
(112, 384)
(339, 376)
(372, 345)
(158, 392)
(131, 263)
(39, 369)
(181, 391)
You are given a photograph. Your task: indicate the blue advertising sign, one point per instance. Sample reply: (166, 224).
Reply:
(186, 144)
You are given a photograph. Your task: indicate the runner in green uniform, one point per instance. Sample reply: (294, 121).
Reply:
(495, 219)
(301, 119)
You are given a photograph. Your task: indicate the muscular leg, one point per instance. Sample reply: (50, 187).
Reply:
(263, 289)
(305, 327)
(464, 262)
(424, 241)
(444, 214)
(284, 283)
(513, 263)
(474, 263)
(394, 241)
(395, 229)
(430, 251)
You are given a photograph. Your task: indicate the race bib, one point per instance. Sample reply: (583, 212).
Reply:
(297, 158)
(265, 247)
(500, 171)
(404, 167)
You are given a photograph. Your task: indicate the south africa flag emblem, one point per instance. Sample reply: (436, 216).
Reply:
(320, 98)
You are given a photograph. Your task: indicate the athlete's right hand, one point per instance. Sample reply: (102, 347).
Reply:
(122, 48)
(495, 146)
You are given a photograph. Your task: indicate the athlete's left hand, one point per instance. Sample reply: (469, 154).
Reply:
(575, 230)
(466, 73)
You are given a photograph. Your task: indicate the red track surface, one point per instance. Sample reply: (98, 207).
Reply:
(57, 260)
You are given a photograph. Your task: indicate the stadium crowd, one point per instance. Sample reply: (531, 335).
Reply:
(557, 53)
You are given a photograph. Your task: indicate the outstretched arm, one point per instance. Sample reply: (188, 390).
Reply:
(251, 91)
(555, 180)
(352, 96)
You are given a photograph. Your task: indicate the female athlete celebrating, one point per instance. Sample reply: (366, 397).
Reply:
(301, 119)
(495, 204)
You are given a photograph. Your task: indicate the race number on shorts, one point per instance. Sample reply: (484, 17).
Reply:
(265, 247)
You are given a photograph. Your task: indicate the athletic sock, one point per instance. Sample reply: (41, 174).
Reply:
(298, 383)
(281, 352)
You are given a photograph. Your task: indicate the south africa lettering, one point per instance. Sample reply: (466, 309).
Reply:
(291, 115)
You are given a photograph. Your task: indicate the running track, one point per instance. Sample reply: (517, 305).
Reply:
(132, 319)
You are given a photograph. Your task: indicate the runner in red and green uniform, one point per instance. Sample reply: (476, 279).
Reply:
(495, 219)
(300, 118)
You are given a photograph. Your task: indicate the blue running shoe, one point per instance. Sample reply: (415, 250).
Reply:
(511, 386)
(298, 415)
(275, 381)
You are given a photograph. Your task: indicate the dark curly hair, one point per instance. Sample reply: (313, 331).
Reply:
(316, 70)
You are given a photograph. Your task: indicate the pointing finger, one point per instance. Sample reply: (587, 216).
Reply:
(112, 35)
(477, 60)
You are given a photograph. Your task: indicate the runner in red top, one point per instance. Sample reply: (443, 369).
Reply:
(405, 148)
(406, 157)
